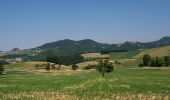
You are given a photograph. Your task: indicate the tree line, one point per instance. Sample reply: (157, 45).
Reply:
(108, 51)
(65, 60)
(155, 61)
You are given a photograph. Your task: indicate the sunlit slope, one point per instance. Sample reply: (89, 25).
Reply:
(161, 51)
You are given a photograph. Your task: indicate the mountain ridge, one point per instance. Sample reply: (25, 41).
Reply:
(136, 45)
(69, 47)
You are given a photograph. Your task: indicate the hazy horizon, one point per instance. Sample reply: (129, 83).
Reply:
(28, 24)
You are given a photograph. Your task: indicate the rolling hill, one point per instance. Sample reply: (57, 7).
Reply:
(89, 45)
(69, 47)
(139, 45)
(159, 51)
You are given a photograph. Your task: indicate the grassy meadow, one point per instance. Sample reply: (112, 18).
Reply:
(160, 52)
(124, 55)
(130, 83)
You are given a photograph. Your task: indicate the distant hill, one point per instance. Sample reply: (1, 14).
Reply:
(16, 49)
(139, 45)
(89, 45)
(86, 45)
(70, 47)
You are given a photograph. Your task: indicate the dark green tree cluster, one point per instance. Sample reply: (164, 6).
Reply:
(155, 61)
(66, 60)
(104, 67)
(1, 68)
(117, 50)
(167, 60)
(53, 59)
(147, 60)
(105, 51)
(2, 63)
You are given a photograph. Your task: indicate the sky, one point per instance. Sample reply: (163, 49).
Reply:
(30, 23)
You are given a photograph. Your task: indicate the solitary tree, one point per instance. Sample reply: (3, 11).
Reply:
(104, 67)
(147, 60)
(167, 60)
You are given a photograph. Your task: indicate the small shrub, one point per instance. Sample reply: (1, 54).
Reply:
(141, 65)
(118, 63)
(37, 66)
(89, 67)
(74, 67)
(47, 67)
(53, 66)
(58, 67)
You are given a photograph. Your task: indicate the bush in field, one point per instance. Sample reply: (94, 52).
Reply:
(74, 67)
(58, 67)
(1, 68)
(104, 67)
(141, 65)
(37, 66)
(89, 67)
(53, 66)
(167, 60)
(47, 67)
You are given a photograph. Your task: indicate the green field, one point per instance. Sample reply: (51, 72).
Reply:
(124, 55)
(129, 63)
(131, 84)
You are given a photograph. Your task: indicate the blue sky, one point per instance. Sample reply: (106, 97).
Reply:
(30, 23)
